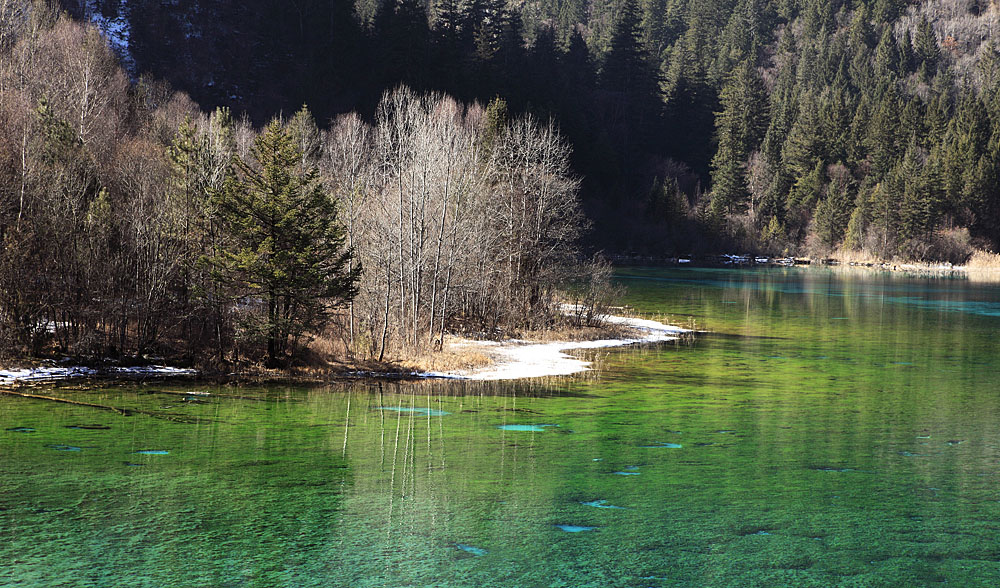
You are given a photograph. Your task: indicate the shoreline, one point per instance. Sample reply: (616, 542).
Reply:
(971, 271)
(505, 360)
(518, 359)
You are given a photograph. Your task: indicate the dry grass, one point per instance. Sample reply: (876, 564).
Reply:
(861, 259)
(982, 266)
(855, 257)
(453, 357)
(327, 355)
(983, 260)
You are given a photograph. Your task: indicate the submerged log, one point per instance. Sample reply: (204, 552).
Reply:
(179, 418)
(121, 411)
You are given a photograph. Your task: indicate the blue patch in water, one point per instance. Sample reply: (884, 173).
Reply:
(65, 447)
(724, 431)
(598, 459)
(420, 411)
(152, 452)
(761, 533)
(524, 427)
(909, 454)
(21, 430)
(477, 551)
(574, 528)
(625, 473)
(839, 318)
(601, 504)
(660, 445)
(134, 465)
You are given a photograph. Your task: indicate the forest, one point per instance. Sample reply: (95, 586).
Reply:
(134, 224)
(224, 180)
(796, 126)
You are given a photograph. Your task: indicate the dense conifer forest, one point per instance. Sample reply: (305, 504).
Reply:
(771, 125)
(225, 178)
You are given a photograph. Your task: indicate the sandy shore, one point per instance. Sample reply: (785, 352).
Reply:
(522, 359)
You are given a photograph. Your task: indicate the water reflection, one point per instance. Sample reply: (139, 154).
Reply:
(790, 448)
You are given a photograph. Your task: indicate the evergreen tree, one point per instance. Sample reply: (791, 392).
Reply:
(404, 40)
(448, 33)
(287, 248)
(833, 213)
(906, 56)
(805, 145)
(917, 206)
(860, 34)
(740, 127)
(927, 51)
(883, 132)
(808, 189)
(626, 66)
(886, 54)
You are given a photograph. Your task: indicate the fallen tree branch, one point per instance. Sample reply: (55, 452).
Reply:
(121, 411)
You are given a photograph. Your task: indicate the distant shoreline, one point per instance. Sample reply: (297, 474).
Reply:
(974, 271)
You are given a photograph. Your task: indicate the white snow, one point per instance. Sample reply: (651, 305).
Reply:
(520, 359)
(49, 373)
(153, 370)
(41, 374)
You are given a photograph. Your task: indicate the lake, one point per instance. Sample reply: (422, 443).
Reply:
(832, 429)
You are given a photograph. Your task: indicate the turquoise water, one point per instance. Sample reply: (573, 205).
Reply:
(831, 430)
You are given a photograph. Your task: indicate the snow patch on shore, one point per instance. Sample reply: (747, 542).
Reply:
(43, 374)
(51, 373)
(521, 359)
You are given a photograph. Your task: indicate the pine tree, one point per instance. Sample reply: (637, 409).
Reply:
(626, 66)
(809, 188)
(303, 130)
(287, 249)
(740, 127)
(916, 207)
(887, 11)
(882, 137)
(833, 213)
(886, 54)
(404, 42)
(927, 51)
(860, 35)
(906, 57)
(804, 147)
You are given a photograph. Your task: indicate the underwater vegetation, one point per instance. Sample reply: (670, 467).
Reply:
(420, 411)
(574, 528)
(524, 427)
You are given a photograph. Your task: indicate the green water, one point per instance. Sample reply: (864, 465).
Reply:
(831, 431)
